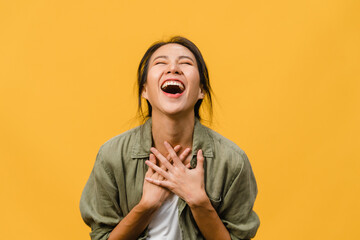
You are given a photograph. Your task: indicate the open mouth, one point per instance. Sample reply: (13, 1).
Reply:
(173, 87)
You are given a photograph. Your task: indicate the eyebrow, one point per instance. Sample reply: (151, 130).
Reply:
(180, 57)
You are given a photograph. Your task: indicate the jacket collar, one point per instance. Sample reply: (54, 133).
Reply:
(143, 140)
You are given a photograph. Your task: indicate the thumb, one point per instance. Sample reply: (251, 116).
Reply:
(200, 160)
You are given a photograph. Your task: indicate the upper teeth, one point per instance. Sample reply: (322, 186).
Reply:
(167, 83)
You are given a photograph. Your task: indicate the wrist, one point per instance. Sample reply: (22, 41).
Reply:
(146, 206)
(198, 200)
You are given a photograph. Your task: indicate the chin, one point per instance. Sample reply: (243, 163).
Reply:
(176, 111)
(173, 112)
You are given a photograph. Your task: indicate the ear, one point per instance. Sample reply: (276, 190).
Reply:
(144, 93)
(201, 94)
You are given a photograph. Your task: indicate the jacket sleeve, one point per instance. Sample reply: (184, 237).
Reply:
(236, 210)
(99, 204)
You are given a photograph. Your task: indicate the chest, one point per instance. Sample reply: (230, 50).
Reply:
(130, 181)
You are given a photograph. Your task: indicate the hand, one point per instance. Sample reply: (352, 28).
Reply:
(188, 184)
(153, 196)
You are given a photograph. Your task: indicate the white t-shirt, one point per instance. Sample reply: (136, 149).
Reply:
(164, 224)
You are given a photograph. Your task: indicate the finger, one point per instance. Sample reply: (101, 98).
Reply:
(176, 148)
(161, 158)
(164, 184)
(158, 175)
(184, 154)
(200, 160)
(188, 165)
(152, 158)
(174, 156)
(154, 174)
(150, 171)
(158, 169)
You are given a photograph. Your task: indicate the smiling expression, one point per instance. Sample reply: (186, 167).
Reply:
(173, 81)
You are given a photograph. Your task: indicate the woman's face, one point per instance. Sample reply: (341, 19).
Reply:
(173, 81)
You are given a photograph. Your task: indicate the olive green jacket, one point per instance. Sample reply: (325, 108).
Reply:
(116, 181)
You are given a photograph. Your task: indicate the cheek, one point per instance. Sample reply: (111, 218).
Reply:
(150, 90)
(196, 74)
(151, 82)
(195, 78)
(155, 71)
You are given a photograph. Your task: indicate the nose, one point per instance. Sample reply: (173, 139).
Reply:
(174, 68)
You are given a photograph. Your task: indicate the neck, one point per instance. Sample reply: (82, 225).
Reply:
(174, 130)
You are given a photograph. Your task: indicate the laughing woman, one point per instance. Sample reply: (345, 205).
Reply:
(172, 177)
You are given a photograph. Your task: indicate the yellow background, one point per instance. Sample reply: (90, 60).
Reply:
(286, 81)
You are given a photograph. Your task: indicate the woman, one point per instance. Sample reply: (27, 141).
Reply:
(172, 177)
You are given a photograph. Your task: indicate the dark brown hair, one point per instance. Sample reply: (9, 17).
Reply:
(203, 73)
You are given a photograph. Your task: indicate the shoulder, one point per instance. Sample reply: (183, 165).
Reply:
(117, 150)
(220, 140)
(227, 151)
(122, 140)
